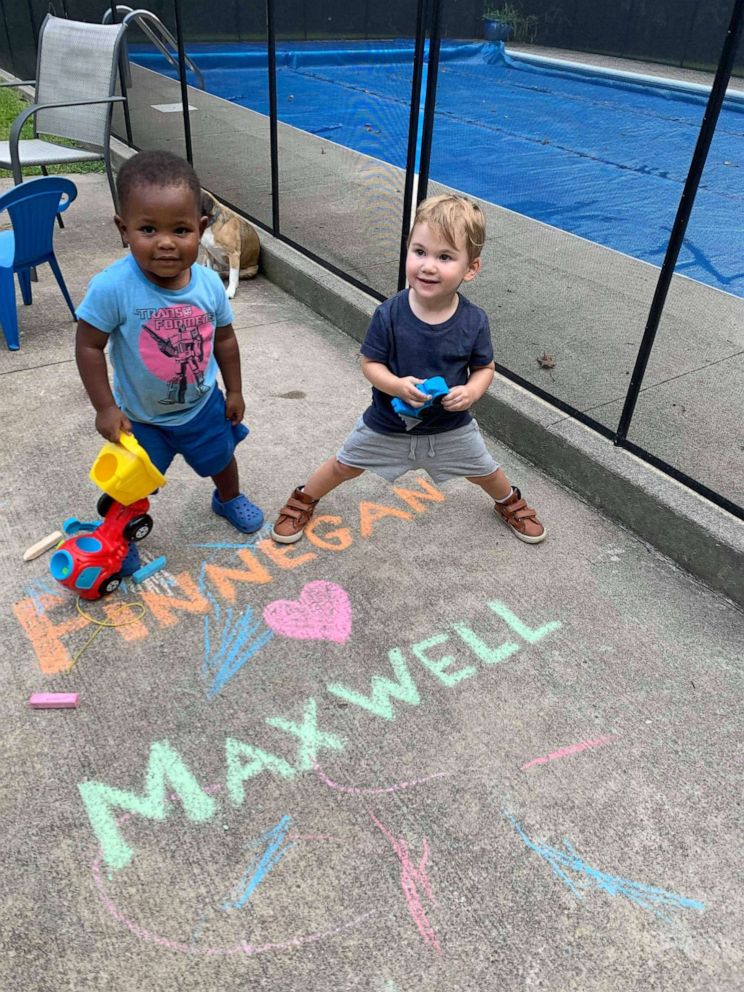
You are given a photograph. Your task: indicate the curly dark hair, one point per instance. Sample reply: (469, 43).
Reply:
(156, 168)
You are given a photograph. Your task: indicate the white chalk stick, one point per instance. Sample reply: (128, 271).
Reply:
(45, 544)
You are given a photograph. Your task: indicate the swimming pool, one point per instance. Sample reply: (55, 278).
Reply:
(601, 157)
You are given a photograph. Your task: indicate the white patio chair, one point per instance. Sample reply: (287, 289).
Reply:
(76, 75)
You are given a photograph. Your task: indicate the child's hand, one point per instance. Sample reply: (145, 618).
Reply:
(111, 423)
(457, 399)
(408, 392)
(234, 407)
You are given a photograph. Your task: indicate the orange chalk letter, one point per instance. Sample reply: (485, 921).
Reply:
(225, 578)
(331, 540)
(370, 513)
(415, 499)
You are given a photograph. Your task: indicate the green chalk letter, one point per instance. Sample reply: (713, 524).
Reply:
(311, 738)
(489, 656)
(165, 770)
(382, 689)
(531, 636)
(256, 761)
(439, 666)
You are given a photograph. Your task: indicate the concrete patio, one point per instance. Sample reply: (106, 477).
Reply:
(470, 764)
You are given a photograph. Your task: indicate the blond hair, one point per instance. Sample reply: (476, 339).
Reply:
(454, 217)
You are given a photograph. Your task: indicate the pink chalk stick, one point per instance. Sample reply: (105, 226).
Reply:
(53, 700)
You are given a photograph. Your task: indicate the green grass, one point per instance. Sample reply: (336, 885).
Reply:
(11, 104)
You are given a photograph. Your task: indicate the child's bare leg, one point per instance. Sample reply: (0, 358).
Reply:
(496, 485)
(327, 476)
(227, 482)
(295, 515)
(511, 507)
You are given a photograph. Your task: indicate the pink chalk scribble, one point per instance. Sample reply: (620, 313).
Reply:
(362, 790)
(410, 875)
(564, 752)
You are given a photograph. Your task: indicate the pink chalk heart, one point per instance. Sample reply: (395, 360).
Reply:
(322, 613)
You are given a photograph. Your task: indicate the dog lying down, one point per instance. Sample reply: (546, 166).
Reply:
(230, 244)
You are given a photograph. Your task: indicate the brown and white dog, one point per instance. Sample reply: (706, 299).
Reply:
(230, 244)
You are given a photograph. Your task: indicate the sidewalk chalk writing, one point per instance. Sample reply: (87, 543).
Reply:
(229, 641)
(231, 950)
(322, 613)
(411, 878)
(586, 878)
(356, 790)
(250, 541)
(275, 846)
(275, 837)
(50, 621)
(167, 770)
(271, 847)
(564, 752)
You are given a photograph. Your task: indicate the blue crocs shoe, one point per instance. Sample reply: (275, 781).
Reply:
(241, 513)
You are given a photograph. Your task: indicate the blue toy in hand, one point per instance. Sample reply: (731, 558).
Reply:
(435, 388)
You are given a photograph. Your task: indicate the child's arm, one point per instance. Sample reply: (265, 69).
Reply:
(90, 344)
(383, 379)
(227, 356)
(463, 397)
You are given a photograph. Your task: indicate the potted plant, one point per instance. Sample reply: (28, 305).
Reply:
(507, 23)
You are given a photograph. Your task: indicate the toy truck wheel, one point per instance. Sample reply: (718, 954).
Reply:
(104, 504)
(109, 585)
(139, 528)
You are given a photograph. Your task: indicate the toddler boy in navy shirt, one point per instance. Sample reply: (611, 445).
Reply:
(425, 331)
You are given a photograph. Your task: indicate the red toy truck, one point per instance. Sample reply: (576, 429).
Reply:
(90, 563)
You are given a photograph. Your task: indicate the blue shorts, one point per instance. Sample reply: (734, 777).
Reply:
(207, 442)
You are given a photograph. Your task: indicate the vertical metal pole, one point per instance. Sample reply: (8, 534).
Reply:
(273, 139)
(10, 43)
(123, 74)
(35, 36)
(435, 39)
(413, 125)
(184, 85)
(630, 18)
(712, 110)
(688, 34)
(32, 21)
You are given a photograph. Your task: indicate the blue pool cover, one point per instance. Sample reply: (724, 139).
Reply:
(602, 157)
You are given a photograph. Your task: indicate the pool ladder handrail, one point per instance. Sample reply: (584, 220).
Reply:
(159, 37)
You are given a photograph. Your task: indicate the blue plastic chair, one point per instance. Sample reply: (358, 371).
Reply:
(33, 206)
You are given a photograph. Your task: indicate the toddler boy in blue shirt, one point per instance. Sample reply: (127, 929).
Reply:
(168, 323)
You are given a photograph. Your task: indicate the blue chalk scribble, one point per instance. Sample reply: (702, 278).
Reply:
(249, 542)
(37, 589)
(230, 641)
(648, 897)
(274, 847)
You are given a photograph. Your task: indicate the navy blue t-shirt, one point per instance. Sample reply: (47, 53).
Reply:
(409, 346)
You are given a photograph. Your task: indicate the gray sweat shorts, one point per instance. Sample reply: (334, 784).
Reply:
(450, 455)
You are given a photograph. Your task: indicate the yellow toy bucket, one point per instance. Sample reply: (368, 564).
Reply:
(125, 472)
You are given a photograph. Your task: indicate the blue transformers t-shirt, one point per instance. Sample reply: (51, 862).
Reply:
(161, 341)
(409, 346)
